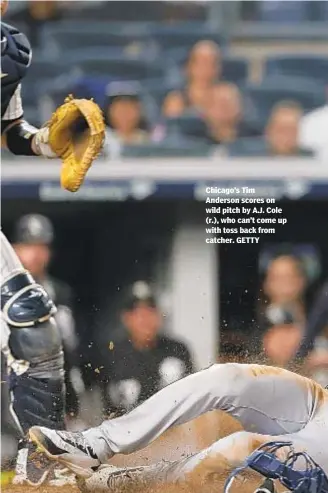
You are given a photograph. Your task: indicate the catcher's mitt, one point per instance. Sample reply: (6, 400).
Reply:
(76, 135)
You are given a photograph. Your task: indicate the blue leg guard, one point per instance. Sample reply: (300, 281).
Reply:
(32, 344)
(263, 460)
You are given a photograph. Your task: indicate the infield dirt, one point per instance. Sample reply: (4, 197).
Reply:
(174, 444)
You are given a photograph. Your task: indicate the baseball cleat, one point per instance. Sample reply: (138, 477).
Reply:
(70, 449)
(31, 467)
(34, 468)
(111, 478)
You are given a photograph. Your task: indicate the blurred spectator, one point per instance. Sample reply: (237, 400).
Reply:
(313, 131)
(282, 309)
(203, 70)
(33, 238)
(314, 344)
(144, 360)
(223, 114)
(43, 9)
(124, 118)
(317, 321)
(283, 129)
(38, 14)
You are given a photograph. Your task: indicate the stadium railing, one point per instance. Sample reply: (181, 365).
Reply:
(174, 178)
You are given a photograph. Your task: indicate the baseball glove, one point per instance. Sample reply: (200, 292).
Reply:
(76, 135)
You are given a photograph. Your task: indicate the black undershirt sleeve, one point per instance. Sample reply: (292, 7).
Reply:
(19, 135)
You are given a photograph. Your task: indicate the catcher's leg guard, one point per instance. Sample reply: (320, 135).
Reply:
(37, 401)
(33, 348)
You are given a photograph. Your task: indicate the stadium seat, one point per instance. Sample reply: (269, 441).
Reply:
(280, 32)
(168, 148)
(119, 68)
(59, 38)
(127, 11)
(324, 10)
(281, 11)
(235, 70)
(313, 66)
(250, 146)
(260, 99)
(40, 78)
(254, 146)
(183, 35)
(70, 25)
(44, 69)
(72, 55)
(186, 125)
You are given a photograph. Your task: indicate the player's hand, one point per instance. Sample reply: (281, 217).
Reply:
(40, 144)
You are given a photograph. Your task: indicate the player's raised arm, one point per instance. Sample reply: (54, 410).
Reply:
(75, 132)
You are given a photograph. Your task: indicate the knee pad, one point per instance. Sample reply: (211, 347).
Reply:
(24, 303)
(28, 312)
(38, 402)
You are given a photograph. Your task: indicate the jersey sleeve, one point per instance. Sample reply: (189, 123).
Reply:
(14, 109)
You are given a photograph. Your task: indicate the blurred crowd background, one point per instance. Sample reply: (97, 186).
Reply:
(140, 296)
(249, 78)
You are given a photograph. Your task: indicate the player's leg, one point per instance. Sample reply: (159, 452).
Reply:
(207, 466)
(304, 456)
(32, 345)
(255, 395)
(313, 438)
(231, 452)
(196, 469)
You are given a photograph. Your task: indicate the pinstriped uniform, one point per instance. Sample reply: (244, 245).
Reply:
(15, 108)
(10, 264)
(9, 260)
